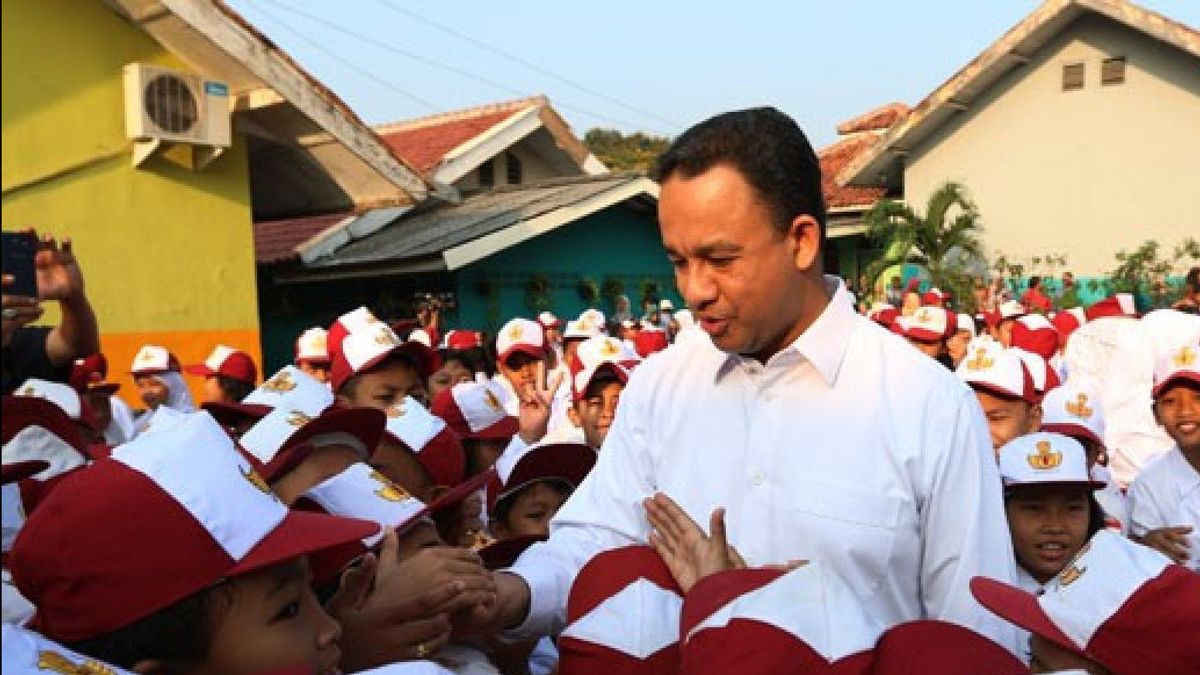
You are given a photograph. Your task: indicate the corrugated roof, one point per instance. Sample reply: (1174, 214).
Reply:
(429, 232)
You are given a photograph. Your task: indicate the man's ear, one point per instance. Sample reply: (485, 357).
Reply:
(805, 235)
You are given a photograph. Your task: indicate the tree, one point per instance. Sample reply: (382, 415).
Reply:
(946, 246)
(635, 152)
(1146, 272)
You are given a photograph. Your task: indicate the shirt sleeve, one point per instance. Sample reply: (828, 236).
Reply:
(964, 529)
(605, 512)
(1144, 512)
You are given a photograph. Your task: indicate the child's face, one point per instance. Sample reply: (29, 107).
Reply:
(1048, 657)
(531, 512)
(153, 391)
(386, 386)
(450, 374)
(401, 466)
(521, 370)
(595, 414)
(484, 452)
(1004, 332)
(273, 620)
(319, 371)
(1048, 525)
(1178, 411)
(212, 391)
(324, 463)
(957, 346)
(1008, 418)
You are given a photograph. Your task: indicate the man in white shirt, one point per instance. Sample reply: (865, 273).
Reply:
(823, 436)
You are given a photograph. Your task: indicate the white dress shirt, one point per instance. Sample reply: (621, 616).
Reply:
(1167, 494)
(849, 447)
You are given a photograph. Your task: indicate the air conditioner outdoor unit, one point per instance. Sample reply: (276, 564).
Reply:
(169, 106)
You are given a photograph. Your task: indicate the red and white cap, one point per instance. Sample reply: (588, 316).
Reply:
(992, 368)
(582, 330)
(767, 621)
(153, 360)
(883, 314)
(928, 324)
(1075, 411)
(1120, 604)
(358, 320)
(1120, 304)
(593, 318)
(361, 351)
(1044, 458)
(307, 420)
(1035, 333)
(88, 375)
(622, 616)
(33, 428)
(520, 335)
(650, 341)
(420, 336)
(568, 463)
(64, 396)
(313, 346)
(548, 320)
(934, 297)
(1043, 375)
(1181, 364)
(12, 503)
(288, 383)
(462, 339)
(1068, 321)
(27, 653)
(228, 362)
(476, 410)
(597, 355)
(167, 515)
(965, 322)
(930, 647)
(1011, 309)
(428, 437)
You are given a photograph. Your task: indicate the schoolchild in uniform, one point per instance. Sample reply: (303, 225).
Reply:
(372, 367)
(521, 359)
(1165, 496)
(229, 375)
(114, 418)
(312, 353)
(156, 373)
(530, 485)
(927, 329)
(1005, 391)
(604, 365)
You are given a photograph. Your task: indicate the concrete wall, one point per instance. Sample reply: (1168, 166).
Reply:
(167, 253)
(1084, 172)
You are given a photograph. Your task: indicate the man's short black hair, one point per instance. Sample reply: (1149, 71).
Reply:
(767, 148)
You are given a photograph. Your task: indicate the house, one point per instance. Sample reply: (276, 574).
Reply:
(1077, 132)
(541, 224)
(163, 228)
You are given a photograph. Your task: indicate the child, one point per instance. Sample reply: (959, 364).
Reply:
(1005, 391)
(1049, 503)
(156, 373)
(521, 355)
(603, 369)
(229, 375)
(530, 486)
(478, 414)
(114, 419)
(312, 353)
(927, 329)
(964, 333)
(193, 565)
(372, 368)
(1165, 497)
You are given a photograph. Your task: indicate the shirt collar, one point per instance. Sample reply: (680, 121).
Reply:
(824, 343)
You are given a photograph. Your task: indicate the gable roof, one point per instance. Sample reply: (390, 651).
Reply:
(298, 127)
(424, 142)
(1013, 49)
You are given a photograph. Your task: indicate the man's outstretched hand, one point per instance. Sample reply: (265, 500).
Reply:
(688, 552)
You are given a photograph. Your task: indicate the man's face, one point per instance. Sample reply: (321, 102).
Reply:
(1178, 411)
(278, 607)
(738, 274)
(1008, 418)
(153, 391)
(957, 346)
(385, 387)
(319, 371)
(1048, 525)
(531, 512)
(595, 413)
(521, 370)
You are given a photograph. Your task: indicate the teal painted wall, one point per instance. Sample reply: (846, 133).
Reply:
(616, 242)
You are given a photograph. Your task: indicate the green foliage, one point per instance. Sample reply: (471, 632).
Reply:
(1145, 271)
(635, 152)
(611, 289)
(1046, 265)
(650, 290)
(944, 241)
(537, 293)
(589, 291)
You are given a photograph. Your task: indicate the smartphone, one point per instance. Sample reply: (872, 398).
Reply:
(18, 251)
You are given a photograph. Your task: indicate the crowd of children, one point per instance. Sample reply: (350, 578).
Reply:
(347, 513)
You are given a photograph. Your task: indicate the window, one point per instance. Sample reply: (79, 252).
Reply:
(513, 168)
(1072, 76)
(1112, 71)
(487, 174)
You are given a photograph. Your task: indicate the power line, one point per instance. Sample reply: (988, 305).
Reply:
(435, 64)
(528, 64)
(344, 61)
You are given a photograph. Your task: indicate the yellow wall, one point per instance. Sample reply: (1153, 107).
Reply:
(167, 253)
(1084, 173)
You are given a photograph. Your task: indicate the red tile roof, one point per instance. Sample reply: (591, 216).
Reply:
(276, 240)
(425, 141)
(879, 119)
(833, 159)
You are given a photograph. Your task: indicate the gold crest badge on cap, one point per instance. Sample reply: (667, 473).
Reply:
(1185, 357)
(389, 491)
(279, 384)
(980, 361)
(256, 480)
(516, 332)
(386, 337)
(146, 356)
(298, 419)
(1079, 407)
(1045, 458)
(57, 663)
(609, 349)
(923, 316)
(492, 402)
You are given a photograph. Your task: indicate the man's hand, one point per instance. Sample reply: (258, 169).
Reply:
(535, 405)
(1170, 541)
(688, 552)
(484, 622)
(58, 273)
(19, 310)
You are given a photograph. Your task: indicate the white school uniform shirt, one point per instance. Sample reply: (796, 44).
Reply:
(848, 447)
(1167, 494)
(512, 400)
(121, 428)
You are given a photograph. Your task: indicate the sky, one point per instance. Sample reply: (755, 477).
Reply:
(653, 66)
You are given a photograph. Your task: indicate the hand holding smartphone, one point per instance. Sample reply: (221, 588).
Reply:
(18, 252)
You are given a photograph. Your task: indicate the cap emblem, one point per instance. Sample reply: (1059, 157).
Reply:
(980, 361)
(386, 338)
(1079, 407)
(298, 419)
(279, 384)
(58, 663)
(515, 333)
(492, 402)
(389, 491)
(1045, 458)
(1185, 357)
(257, 481)
(609, 349)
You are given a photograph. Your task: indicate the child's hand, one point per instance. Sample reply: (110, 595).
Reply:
(688, 552)
(1171, 541)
